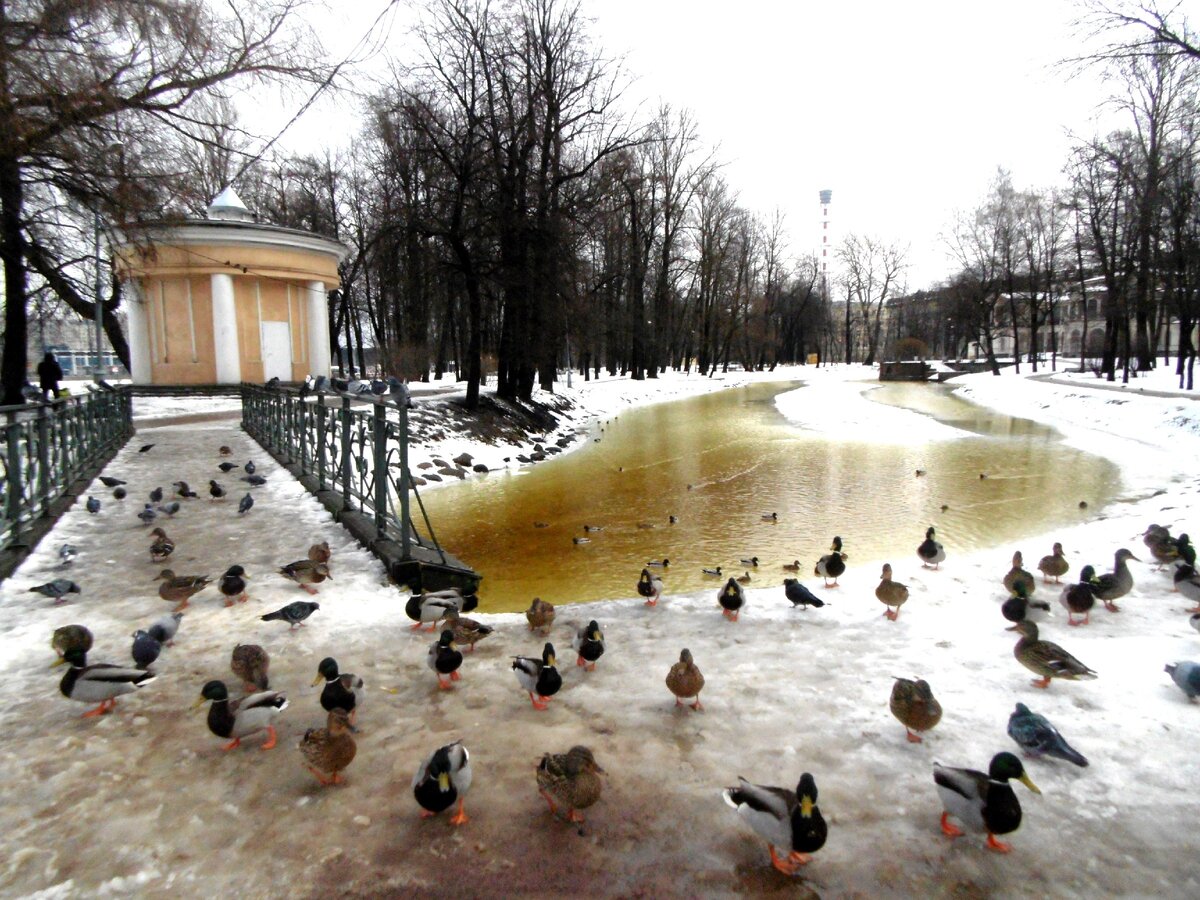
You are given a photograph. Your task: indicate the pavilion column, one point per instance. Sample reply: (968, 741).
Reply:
(318, 329)
(225, 332)
(139, 333)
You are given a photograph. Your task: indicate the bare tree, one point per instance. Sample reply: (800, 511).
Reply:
(872, 272)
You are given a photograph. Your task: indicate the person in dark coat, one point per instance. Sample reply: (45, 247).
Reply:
(50, 373)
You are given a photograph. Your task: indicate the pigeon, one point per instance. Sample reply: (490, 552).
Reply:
(120, 494)
(171, 508)
(227, 467)
(57, 589)
(182, 489)
(111, 482)
(272, 383)
(165, 628)
(156, 495)
(1194, 621)
(244, 504)
(1184, 674)
(1038, 737)
(294, 613)
(67, 554)
(224, 451)
(800, 595)
(145, 448)
(215, 490)
(250, 467)
(145, 648)
(93, 505)
(147, 515)
(254, 480)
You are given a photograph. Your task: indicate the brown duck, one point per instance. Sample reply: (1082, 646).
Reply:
(178, 589)
(891, 593)
(1055, 565)
(1046, 658)
(540, 615)
(467, 631)
(251, 663)
(914, 705)
(571, 779)
(306, 573)
(162, 547)
(684, 680)
(328, 751)
(1018, 574)
(320, 553)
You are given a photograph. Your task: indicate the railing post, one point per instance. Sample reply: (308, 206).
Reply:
(302, 419)
(379, 445)
(345, 466)
(13, 500)
(405, 519)
(63, 432)
(322, 454)
(43, 456)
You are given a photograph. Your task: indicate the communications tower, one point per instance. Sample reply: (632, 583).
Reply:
(826, 197)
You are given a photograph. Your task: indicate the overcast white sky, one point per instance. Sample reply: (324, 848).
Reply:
(904, 110)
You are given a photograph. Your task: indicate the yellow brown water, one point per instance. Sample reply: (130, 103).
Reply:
(720, 462)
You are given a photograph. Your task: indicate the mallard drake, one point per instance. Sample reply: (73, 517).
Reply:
(306, 573)
(768, 517)
(789, 820)
(329, 751)
(445, 659)
(1078, 599)
(1017, 574)
(1046, 658)
(165, 629)
(467, 632)
(242, 717)
(99, 683)
(252, 664)
(931, 552)
(233, 585)
(1037, 737)
(538, 677)
(732, 600)
(589, 645)
(659, 563)
(320, 553)
(71, 637)
(162, 547)
(684, 680)
(913, 703)
(342, 689)
(711, 573)
(434, 606)
(179, 589)
(891, 593)
(294, 613)
(572, 779)
(444, 777)
(1187, 582)
(1186, 676)
(983, 802)
(833, 564)
(752, 562)
(800, 595)
(1017, 607)
(1115, 584)
(1187, 553)
(1055, 565)
(650, 587)
(540, 615)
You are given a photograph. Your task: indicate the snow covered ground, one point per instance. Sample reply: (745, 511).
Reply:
(144, 803)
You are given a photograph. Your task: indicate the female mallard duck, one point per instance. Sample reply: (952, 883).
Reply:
(233, 585)
(650, 587)
(444, 777)
(572, 779)
(71, 637)
(1046, 658)
(589, 644)
(434, 606)
(306, 573)
(329, 751)
(891, 593)
(467, 632)
(1017, 607)
(793, 566)
(444, 659)
(684, 680)
(914, 705)
(744, 578)
(179, 589)
(240, 718)
(162, 547)
(1187, 582)
(100, 683)
(1162, 547)
(789, 820)
(342, 690)
(1115, 584)
(1018, 574)
(833, 564)
(983, 802)
(540, 615)
(1055, 565)
(931, 552)
(732, 600)
(251, 664)
(1078, 599)
(320, 553)
(538, 677)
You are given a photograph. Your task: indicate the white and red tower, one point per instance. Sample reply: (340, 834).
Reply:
(826, 197)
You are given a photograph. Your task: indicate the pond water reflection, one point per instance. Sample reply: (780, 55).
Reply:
(720, 462)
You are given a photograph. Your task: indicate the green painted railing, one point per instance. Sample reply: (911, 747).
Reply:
(49, 447)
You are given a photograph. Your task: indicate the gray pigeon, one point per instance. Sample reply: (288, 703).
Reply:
(120, 493)
(294, 613)
(93, 505)
(215, 490)
(254, 480)
(1187, 676)
(111, 482)
(1038, 737)
(171, 508)
(145, 648)
(227, 467)
(244, 504)
(1195, 621)
(800, 595)
(67, 554)
(165, 628)
(156, 495)
(148, 515)
(249, 467)
(57, 589)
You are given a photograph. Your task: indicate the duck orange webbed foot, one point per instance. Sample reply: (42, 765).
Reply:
(914, 738)
(271, 738)
(998, 846)
(1042, 683)
(787, 865)
(949, 828)
(460, 817)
